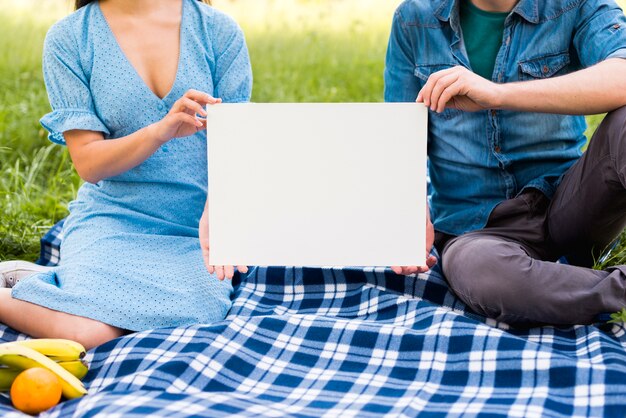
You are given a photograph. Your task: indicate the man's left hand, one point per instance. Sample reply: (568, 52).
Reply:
(459, 88)
(430, 260)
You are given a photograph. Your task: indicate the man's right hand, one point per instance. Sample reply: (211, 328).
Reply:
(459, 88)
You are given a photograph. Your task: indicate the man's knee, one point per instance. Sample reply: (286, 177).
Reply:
(487, 273)
(618, 114)
(614, 130)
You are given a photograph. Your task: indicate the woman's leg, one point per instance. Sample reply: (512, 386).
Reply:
(40, 322)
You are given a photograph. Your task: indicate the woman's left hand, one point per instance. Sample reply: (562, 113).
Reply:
(222, 272)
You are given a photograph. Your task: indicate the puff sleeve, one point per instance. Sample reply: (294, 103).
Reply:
(68, 87)
(233, 73)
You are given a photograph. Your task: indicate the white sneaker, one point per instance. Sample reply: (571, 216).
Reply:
(12, 272)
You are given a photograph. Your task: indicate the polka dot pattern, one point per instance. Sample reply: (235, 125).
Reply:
(131, 256)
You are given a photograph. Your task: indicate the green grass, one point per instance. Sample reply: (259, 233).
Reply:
(301, 51)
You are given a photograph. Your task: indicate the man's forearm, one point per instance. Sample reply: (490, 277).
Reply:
(596, 89)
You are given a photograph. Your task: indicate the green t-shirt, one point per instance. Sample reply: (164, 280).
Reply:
(482, 33)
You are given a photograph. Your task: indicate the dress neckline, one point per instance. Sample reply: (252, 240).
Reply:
(130, 64)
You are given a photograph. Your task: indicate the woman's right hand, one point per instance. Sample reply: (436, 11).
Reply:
(182, 119)
(222, 272)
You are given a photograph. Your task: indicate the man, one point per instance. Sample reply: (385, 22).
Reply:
(511, 192)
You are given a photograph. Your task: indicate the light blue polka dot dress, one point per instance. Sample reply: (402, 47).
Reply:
(131, 256)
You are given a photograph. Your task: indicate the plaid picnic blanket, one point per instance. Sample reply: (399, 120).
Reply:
(311, 342)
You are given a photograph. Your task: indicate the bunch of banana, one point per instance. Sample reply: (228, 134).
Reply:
(62, 357)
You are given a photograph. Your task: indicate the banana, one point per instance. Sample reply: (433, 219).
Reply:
(20, 357)
(77, 367)
(8, 374)
(56, 348)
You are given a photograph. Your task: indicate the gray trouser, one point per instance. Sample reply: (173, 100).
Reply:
(507, 270)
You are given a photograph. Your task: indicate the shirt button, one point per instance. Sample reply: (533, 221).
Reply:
(493, 113)
(545, 69)
(497, 149)
(161, 106)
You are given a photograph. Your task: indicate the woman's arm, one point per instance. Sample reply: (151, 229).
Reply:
(96, 159)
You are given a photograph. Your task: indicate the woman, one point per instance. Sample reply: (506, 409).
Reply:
(128, 83)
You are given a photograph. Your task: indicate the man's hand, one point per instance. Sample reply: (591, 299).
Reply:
(459, 88)
(222, 272)
(430, 260)
(596, 89)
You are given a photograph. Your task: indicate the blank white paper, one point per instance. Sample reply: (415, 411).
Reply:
(317, 184)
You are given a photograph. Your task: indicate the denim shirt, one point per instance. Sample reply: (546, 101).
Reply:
(477, 160)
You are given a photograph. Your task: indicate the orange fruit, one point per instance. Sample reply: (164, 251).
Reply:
(35, 390)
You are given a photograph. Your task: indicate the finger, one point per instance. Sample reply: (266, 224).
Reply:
(397, 269)
(440, 87)
(431, 82)
(431, 261)
(403, 270)
(189, 106)
(242, 269)
(229, 272)
(201, 97)
(448, 94)
(202, 125)
(207, 260)
(205, 257)
(190, 120)
(219, 270)
(410, 270)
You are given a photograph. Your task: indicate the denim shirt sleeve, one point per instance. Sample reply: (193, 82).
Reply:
(401, 85)
(600, 32)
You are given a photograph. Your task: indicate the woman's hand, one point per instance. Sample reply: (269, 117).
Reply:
(182, 119)
(430, 260)
(222, 272)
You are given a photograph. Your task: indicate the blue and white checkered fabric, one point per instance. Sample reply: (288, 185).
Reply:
(50, 250)
(332, 342)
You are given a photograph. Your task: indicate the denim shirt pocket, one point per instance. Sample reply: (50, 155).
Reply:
(423, 72)
(543, 67)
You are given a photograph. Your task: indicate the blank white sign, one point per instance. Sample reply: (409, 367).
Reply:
(317, 184)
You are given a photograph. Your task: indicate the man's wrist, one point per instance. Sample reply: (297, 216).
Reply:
(502, 96)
